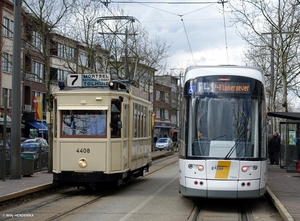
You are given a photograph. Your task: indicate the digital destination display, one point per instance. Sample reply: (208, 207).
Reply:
(231, 87)
(220, 87)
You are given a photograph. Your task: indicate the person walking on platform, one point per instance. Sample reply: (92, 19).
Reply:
(275, 148)
(270, 149)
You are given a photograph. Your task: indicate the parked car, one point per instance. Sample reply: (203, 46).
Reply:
(39, 148)
(164, 143)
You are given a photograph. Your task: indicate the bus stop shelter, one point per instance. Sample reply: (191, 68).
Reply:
(290, 139)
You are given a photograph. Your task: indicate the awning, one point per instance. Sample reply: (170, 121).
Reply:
(41, 126)
(285, 115)
(162, 126)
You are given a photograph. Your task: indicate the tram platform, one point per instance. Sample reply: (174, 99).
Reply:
(282, 187)
(284, 190)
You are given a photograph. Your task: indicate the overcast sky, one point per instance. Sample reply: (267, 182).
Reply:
(198, 39)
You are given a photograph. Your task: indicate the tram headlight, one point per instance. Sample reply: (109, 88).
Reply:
(82, 163)
(244, 169)
(200, 167)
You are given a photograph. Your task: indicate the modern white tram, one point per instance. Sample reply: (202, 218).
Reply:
(101, 134)
(223, 138)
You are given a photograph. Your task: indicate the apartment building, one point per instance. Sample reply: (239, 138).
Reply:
(6, 39)
(47, 57)
(166, 106)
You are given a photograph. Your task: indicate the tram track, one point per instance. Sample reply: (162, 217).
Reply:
(204, 211)
(78, 198)
(233, 210)
(60, 216)
(78, 201)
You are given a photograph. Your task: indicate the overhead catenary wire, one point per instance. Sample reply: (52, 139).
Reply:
(225, 33)
(188, 40)
(160, 2)
(106, 2)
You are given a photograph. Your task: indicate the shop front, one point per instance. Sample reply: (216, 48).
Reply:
(162, 129)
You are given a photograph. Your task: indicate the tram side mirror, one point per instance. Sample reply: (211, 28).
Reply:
(119, 124)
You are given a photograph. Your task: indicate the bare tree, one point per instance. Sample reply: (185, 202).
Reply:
(127, 50)
(42, 17)
(271, 30)
(81, 26)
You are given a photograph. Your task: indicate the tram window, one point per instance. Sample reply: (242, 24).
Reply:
(115, 123)
(144, 122)
(55, 118)
(84, 122)
(125, 120)
(135, 124)
(140, 121)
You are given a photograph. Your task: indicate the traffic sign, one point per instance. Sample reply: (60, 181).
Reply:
(88, 80)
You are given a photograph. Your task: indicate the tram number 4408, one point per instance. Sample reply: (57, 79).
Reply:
(83, 150)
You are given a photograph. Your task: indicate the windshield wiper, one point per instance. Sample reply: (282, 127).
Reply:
(220, 137)
(233, 148)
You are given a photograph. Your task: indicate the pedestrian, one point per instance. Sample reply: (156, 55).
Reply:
(270, 149)
(275, 147)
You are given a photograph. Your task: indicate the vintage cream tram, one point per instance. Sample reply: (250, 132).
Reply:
(101, 132)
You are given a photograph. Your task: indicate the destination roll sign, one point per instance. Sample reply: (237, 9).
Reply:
(88, 80)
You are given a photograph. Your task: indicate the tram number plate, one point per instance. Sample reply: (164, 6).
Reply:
(83, 150)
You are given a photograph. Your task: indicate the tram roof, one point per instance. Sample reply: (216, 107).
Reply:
(198, 71)
(285, 115)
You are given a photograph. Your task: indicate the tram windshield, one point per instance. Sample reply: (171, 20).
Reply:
(224, 124)
(84, 122)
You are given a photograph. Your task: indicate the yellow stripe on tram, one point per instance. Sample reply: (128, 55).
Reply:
(223, 169)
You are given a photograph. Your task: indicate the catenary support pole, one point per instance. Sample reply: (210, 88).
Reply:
(15, 163)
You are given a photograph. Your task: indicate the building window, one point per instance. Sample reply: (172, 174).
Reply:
(37, 41)
(166, 98)
(83, 59)
(166, 113)
(157, 114)
(58, 75)
(37, 70)
(162, 97)
(62, 75)
(66, 52)
(99, 64)
(174, 117)
(6, 62)
(157, 96)
(6, 92)
(8, 27)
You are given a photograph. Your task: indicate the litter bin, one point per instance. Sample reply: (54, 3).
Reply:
(7, 165)
(27, 159)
